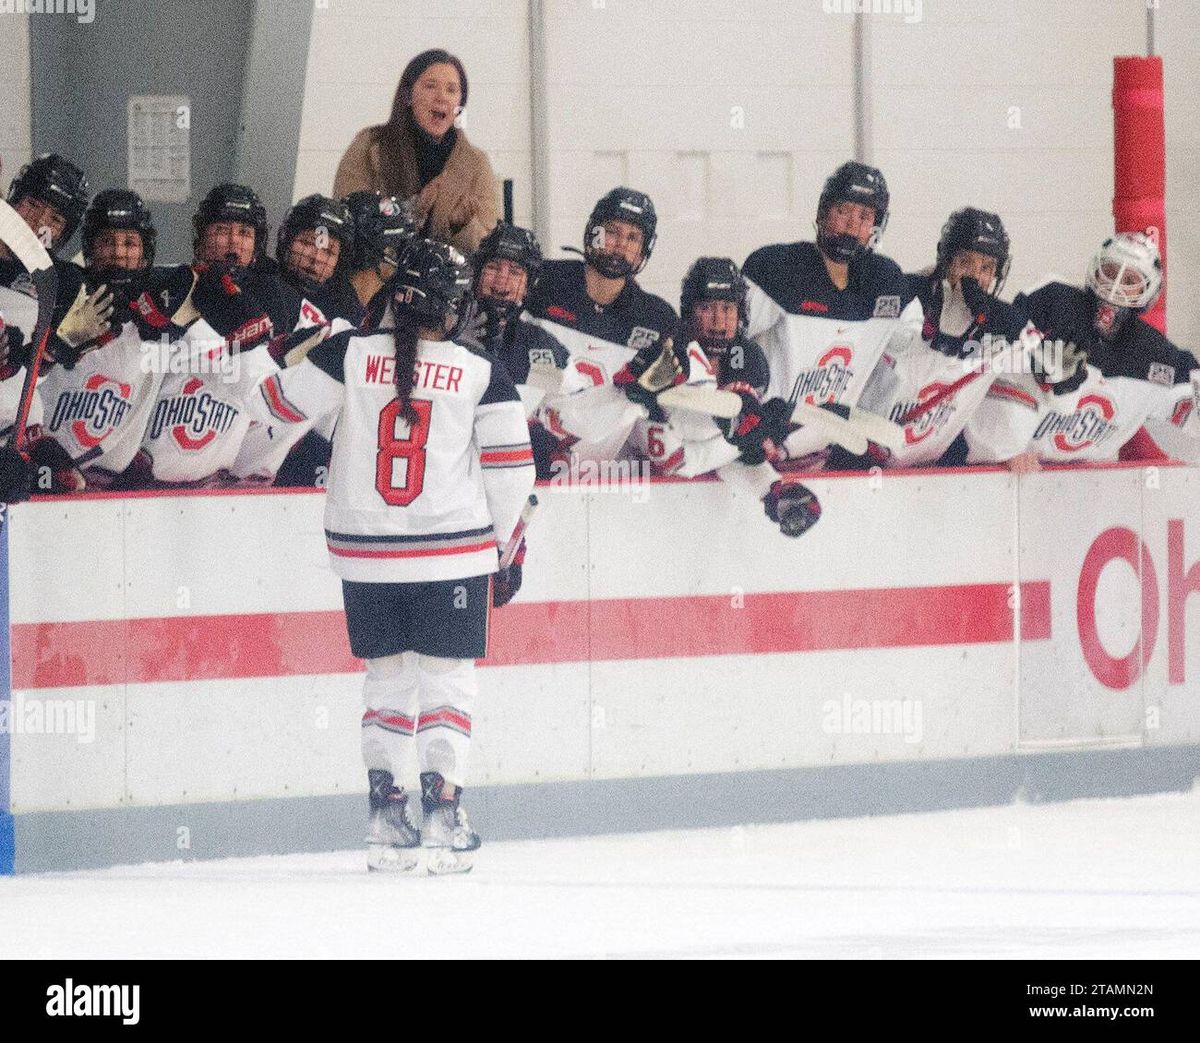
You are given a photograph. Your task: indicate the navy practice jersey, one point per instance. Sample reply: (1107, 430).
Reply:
(590, 414)
(822, 343)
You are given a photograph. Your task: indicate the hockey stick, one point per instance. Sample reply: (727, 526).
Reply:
(28, 249)
(518, 533)
(702, 399)
(859, 424)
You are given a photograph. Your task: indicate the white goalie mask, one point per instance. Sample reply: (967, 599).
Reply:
(1126, 272)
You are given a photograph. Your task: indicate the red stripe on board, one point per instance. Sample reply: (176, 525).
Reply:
(470, 548)
(286, 644)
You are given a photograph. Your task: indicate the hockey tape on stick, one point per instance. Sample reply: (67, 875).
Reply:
(702, 399)
(28, 249)
(518, 533)
(858, 425)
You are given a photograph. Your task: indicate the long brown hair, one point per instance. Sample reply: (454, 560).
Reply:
(404, 340)
(400, 130)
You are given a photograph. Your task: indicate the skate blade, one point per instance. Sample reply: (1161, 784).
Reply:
(444, 861)
(384, 859)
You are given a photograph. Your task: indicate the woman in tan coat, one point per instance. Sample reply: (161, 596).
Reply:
(419, 154)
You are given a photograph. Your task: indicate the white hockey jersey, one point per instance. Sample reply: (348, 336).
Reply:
(411, 501)
(98, 410)
(199, 419)
(903, 380)
(1089, 423)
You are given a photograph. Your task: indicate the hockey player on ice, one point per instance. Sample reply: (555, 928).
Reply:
(431, 468)
(1116, 374)
(611, 328)
(968, 334)
(825, 311)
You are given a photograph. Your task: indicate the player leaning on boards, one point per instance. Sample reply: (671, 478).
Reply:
(687, 442)
(825, 311)
(100, 394)
(1116, 374)
(933, 381)
(431, 467)
(508, 265)
(611, 328)
(313, 251)
(50, 194)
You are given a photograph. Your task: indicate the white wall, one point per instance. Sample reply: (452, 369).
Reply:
(359, 48)
(14, 83)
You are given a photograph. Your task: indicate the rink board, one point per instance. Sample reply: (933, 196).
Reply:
(182, 681)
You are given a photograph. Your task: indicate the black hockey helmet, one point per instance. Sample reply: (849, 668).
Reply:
(58, 183)
(119, 208)
(978, 230)
(382, 226)
(510, 243)
(228, 202)
(713, 279)
(316, 211)
(621, 204)
(852, 182)
(432, 284)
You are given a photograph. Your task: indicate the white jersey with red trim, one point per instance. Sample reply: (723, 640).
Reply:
(1090, 423)
(411, 501)
(199, 419)
(10, 402)
(903, 380)
(822, 343)
(98, 410)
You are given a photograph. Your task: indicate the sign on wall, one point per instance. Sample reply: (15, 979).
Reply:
(159, 134)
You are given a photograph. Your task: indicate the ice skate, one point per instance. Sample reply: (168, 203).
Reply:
(447, 836)
(393, 842)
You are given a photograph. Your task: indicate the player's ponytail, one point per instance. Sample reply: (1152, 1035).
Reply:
(405, 336)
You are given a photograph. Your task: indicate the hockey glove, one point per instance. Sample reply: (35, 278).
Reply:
(14, 352)
(794, 507)
(1060, 364)
(53, 470)
(507, 581)
(650, 371)
(16, 476)
(86, 322)
(748, 430)
(231, 311)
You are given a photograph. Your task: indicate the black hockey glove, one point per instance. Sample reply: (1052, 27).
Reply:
(793, 507)
(650, 371)
(508, 581)
(990, 314)
(749, 430)
(16, 476)
(14, 352)
(234, 313)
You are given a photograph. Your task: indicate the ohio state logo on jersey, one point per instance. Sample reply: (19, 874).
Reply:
(194, 417)
(1089, 425)
(923, 426)
(93, 411)
(828, 380)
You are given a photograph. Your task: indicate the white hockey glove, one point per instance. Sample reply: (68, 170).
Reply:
(88, 318)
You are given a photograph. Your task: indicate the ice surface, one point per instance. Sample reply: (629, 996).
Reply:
(1086, 879)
